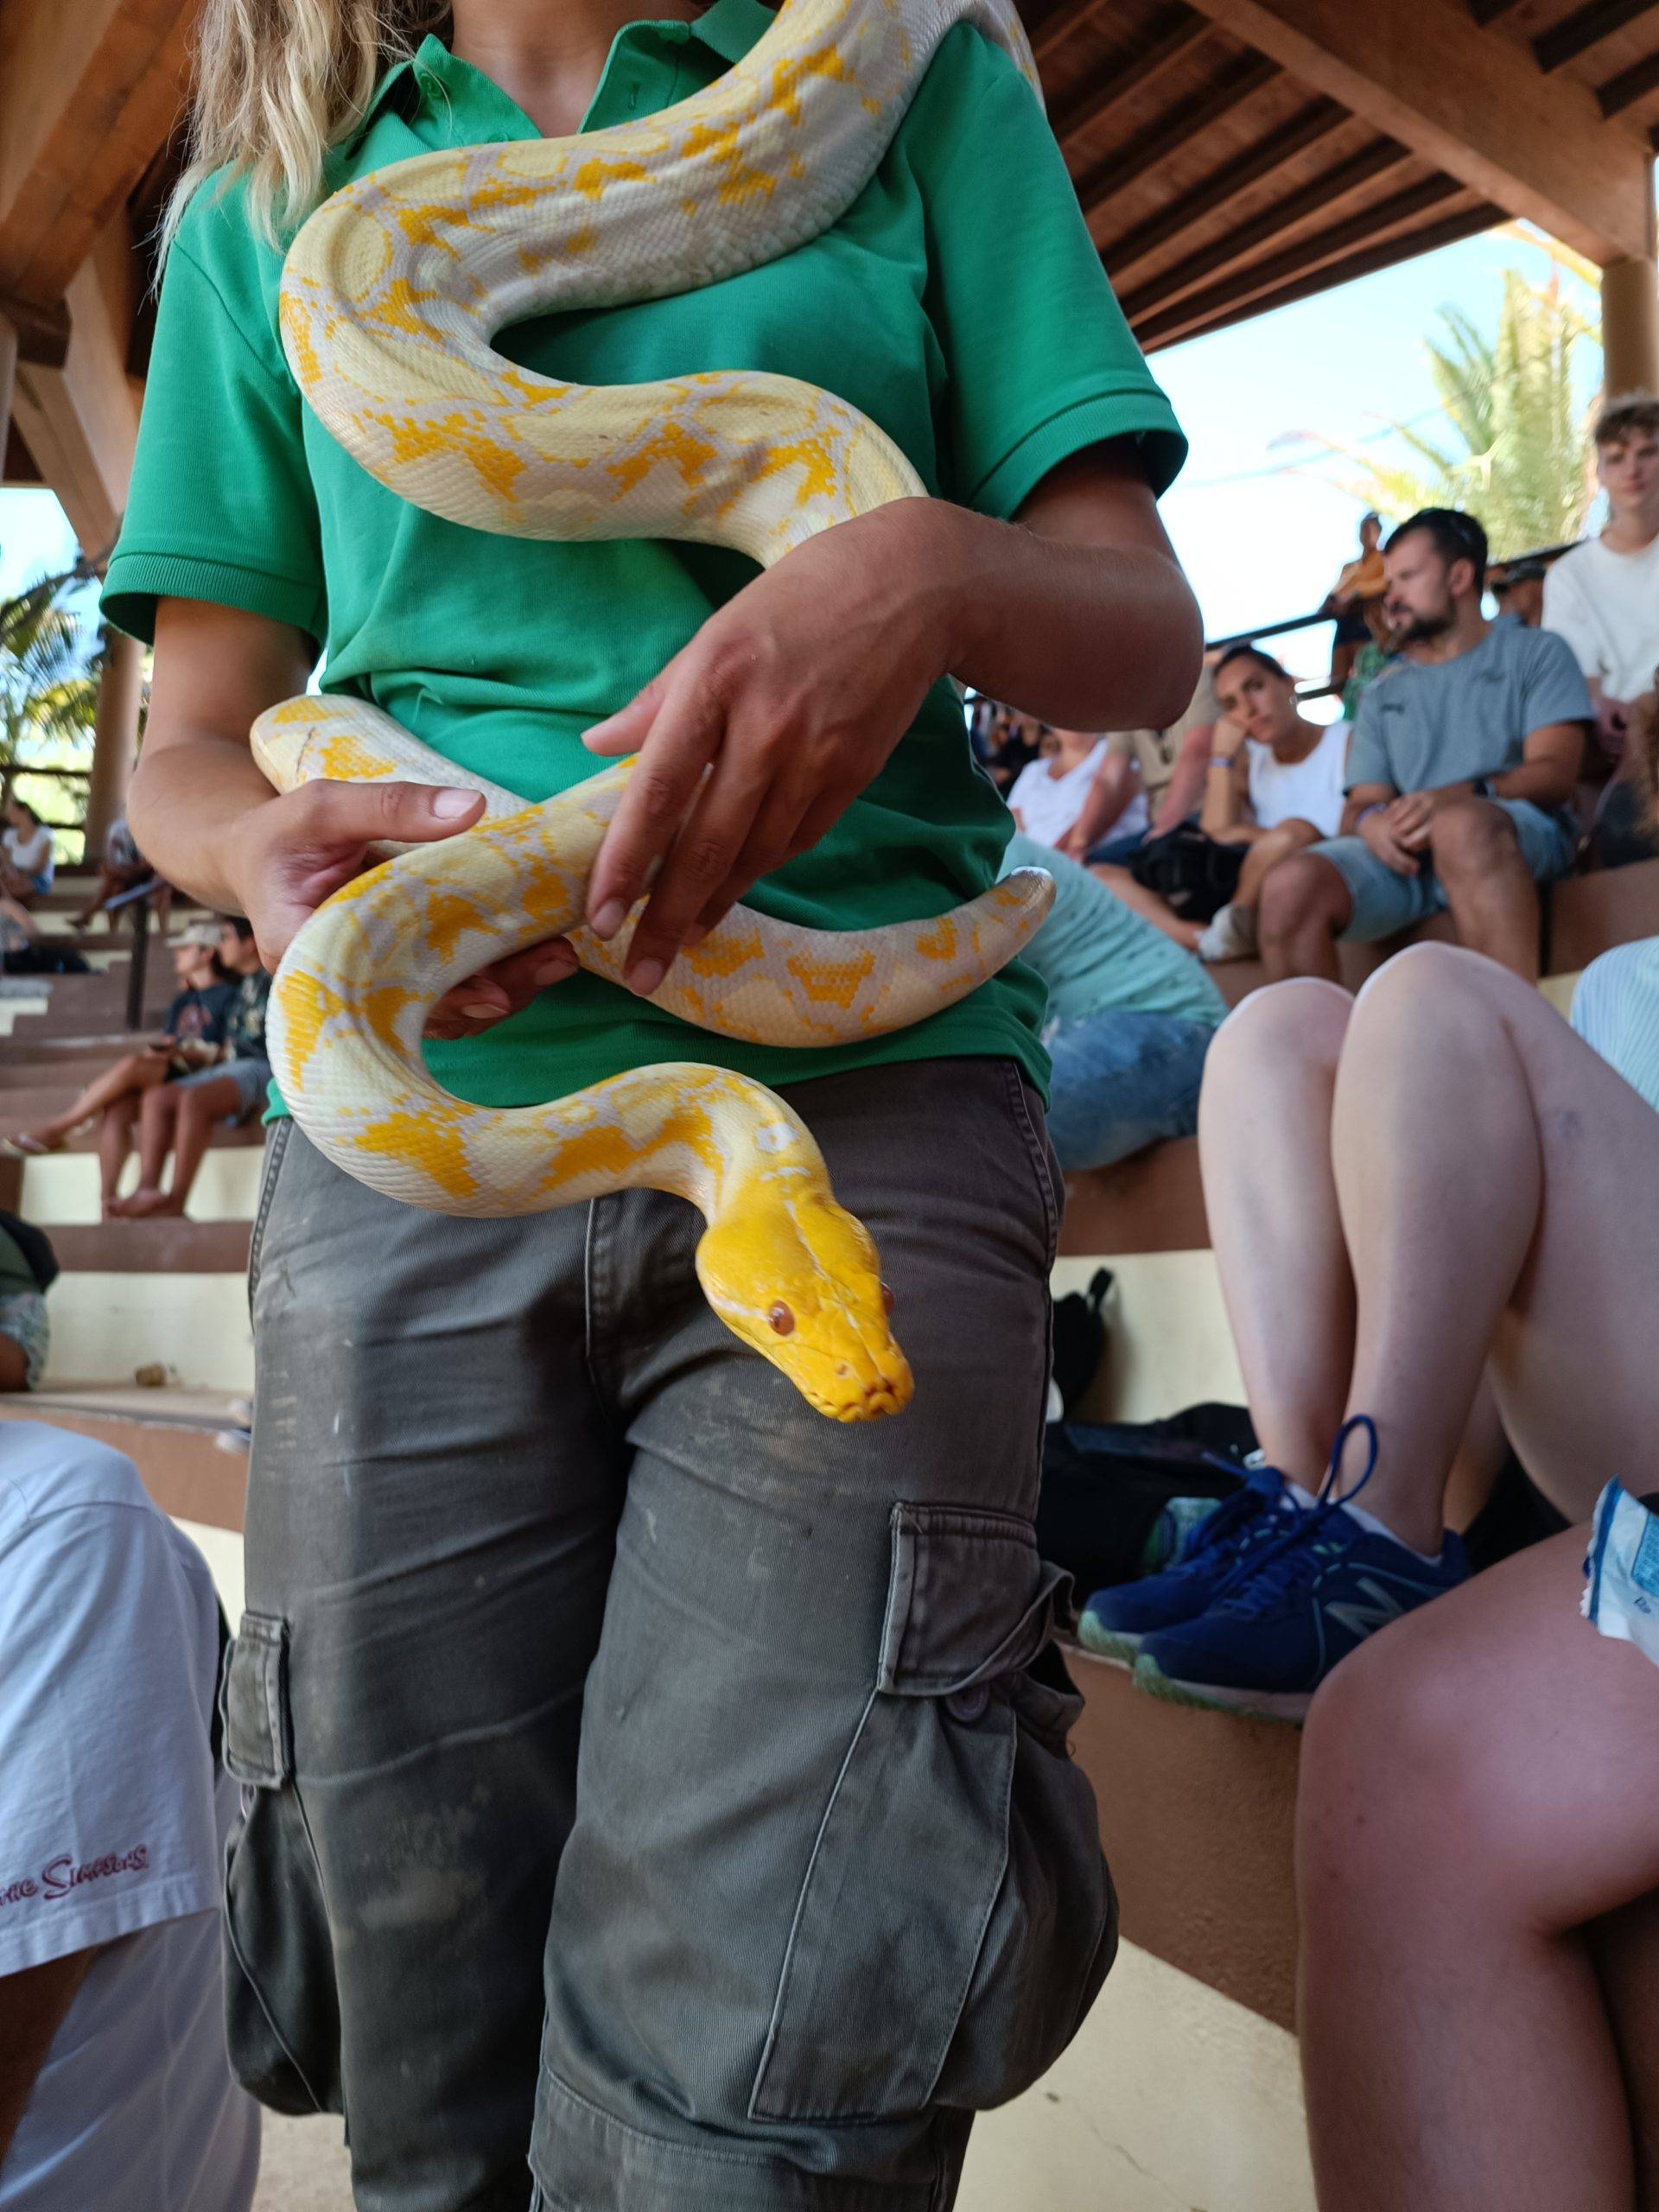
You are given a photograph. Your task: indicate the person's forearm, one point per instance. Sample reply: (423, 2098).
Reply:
(1220, 816)
(1085, 636)
(1185, 790)
(1110, 793)
(187, 797)
(1547, 784)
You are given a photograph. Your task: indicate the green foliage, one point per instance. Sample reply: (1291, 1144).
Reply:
(1510, 442)
(49, 695)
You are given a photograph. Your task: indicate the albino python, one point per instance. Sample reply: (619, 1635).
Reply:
(391, 297)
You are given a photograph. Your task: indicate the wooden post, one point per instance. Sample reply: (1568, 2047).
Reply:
(115, 739)
(7, 372)
(1629, 325)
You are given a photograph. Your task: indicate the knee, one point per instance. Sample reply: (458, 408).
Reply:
(1300, 890)
(1391, 1802)
(1471, 837)
(1303, 1022)
(1425, 985)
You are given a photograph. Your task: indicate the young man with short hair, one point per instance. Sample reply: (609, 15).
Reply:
(1461, 770)
(1603, 597)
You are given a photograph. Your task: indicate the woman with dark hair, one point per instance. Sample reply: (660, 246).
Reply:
(26, 863)
(1273, 786)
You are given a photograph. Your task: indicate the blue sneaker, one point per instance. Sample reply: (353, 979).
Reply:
(1296, 1606)
(1114, 1621)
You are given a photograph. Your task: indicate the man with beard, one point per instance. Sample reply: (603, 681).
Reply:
(1460, 774)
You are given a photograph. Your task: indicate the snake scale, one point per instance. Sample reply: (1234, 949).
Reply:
(391, 295)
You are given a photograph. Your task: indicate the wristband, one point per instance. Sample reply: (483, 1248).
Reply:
(1224, 759)
(1377, 806)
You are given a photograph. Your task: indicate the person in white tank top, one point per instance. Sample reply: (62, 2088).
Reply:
(1275, 786)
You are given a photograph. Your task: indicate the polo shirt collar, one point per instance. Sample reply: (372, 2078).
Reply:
(728, 27)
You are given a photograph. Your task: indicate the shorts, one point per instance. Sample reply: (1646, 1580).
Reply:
(251, 1078)
(1385, 903)
(23, 1318)
(1122, 1080)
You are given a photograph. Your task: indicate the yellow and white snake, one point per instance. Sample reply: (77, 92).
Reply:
(391, 297)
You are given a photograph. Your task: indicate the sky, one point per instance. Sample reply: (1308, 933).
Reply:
(1259, 516)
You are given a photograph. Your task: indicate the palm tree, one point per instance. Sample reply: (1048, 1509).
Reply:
(49, 694)
(1510, 442)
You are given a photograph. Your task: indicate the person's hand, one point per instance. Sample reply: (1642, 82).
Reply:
(761, 733)
(160, 1048)
(291, 852)
(1074, 844)
(1377, 830)
(1226, 740)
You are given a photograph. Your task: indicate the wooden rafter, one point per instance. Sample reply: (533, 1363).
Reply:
(1471, 103)
(1630, 86)
(1117, 83)
(1236, 248)
(1242, 84)
(1588, 27)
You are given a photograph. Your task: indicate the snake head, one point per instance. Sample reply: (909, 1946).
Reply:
(801, 1284)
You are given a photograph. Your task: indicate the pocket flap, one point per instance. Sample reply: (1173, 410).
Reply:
(253, 1703)
(970, 1598)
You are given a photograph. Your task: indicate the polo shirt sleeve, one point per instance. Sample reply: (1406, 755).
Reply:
(1039, 360)
(221, 506)
(110, 1824)
(1554, 688)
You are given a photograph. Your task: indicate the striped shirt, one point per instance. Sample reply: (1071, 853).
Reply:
(1616, 1011)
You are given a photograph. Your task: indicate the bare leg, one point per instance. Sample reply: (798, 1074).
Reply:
(14, 1365)
(1493, 900)
(1149, 906)
(1304, 906)
(114, 1143)
(137, 1072)
(198, 1109)
(1499, 1188)
(1264, 1138)
(1478, 1781)
(1264, 856)
(155, 1128)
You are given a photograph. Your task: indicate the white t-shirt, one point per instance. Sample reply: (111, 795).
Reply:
(29, 851)
(1048, 805)
(1606, 606)
(1306, 791)
(111, 1822)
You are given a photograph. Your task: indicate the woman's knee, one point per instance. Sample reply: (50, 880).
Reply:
(1435, 983)
(1303, 1022)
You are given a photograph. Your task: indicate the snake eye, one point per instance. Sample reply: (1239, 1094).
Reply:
(887, 1300)
(782, 1320)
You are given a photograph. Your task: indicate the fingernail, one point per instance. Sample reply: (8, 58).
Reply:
(482, 1010)
(554, 967)
(446, 804)
(644, 979)
(598, 729)
(608, 919)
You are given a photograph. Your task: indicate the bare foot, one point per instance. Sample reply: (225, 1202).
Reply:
(147, 1206)
(32, 1144)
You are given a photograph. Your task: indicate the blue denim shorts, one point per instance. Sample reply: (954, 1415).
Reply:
(1122, 1080)
(1385, 903)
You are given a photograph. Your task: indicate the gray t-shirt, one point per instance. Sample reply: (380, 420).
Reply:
(1422, 726)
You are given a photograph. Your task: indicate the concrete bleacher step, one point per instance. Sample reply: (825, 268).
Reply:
(189, 1447)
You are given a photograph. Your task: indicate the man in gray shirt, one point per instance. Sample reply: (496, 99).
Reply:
(1460, 774)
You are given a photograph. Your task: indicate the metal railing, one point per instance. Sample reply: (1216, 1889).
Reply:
(1495, 571)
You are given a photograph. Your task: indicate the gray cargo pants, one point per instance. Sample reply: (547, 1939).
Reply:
(595, 1694)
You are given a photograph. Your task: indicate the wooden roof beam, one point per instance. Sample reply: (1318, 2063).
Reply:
(1224, 187)
(1102, 182)
(1119, 82)
(1471, 102)
(89, 91)
(1630, 86)
(1554, 48)
(1235, 249)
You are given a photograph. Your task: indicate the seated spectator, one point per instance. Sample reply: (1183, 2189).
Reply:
(17, 935)
(121, 868)
(1275, 786)
(1372, 659)
(1148, 782)
(1603, 597)
(192, 1040)
(116, 2092)
(27, 865)
(181, 1117)
(1048, 796)
(1518, 589)
(1360, 581)
(1461, 772)
(28, 1270)
(1006, 744)
(1130, 1019)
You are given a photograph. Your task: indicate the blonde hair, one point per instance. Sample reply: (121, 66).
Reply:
(277, 83)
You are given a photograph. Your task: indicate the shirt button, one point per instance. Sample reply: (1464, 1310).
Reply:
(968, 1705)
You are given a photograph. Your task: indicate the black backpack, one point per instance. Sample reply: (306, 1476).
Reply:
(1105, 1483)
(1191, 874)
(35, 1245)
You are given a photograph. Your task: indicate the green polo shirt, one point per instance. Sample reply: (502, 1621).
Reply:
(959, 303)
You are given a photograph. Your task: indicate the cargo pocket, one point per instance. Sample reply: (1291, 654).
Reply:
(282, 2008)
(956, 1918)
